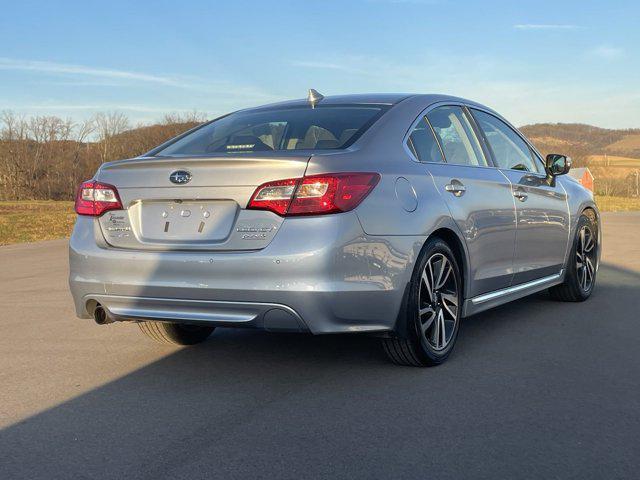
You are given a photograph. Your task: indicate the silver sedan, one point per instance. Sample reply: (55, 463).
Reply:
(394, 215)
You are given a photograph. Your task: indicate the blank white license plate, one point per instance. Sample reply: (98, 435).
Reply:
(187, 221)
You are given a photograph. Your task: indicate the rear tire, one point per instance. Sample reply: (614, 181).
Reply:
(174, 333)
(433, 309)
(580, 278)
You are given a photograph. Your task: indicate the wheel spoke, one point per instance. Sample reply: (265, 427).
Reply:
(425, 323)
(590, 270)
(427, 283)
(425, 310)
(450, 303)
(451, 297)
(579, 271)
(590, 243)
(443, 330)
(443, 273)
(435, 335)
(450, 310)
(430, 267)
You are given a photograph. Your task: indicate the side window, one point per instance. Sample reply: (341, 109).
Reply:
(510, 150)
(538, 162)
(423, 144)
(456, 135)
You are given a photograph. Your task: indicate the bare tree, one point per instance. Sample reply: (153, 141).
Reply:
(109, 125)
(46, 157)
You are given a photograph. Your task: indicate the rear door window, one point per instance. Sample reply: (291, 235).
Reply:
(509, 149)
(456, 135)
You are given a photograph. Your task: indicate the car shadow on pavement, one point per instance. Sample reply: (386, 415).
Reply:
(248, 404)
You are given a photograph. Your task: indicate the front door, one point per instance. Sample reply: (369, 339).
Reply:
(542, 211)
(543, 226)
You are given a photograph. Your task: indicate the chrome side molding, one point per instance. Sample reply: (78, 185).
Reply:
(516, 288)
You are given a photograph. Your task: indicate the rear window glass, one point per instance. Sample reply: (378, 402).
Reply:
(301, 128)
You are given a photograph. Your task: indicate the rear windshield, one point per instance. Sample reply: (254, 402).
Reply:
(294, 128)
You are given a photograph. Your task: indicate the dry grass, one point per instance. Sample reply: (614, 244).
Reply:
(617, 204)
(627, 144)
(31, 221)
(613, 161)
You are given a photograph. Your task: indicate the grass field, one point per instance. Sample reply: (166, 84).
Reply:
(31, 221)
(613, 161)
(617, 204)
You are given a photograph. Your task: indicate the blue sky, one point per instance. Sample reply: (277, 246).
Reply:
(557, 61)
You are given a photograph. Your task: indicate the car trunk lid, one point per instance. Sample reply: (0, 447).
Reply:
(205, 212)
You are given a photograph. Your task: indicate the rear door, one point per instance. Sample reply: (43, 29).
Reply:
(541, 207)
(477, 195)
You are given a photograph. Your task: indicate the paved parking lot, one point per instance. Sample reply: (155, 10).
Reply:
(535, 389)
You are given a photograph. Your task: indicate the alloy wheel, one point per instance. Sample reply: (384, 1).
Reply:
(438, 302)
(585, 258)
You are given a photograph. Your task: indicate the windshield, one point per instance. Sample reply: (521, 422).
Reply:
(293, 128)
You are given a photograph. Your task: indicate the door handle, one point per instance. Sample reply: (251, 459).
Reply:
(456, 187)
(520, 195)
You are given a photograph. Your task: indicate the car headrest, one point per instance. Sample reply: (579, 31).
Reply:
(439, 120)
(320, 144)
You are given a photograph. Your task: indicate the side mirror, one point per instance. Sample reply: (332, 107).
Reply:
(557, 164)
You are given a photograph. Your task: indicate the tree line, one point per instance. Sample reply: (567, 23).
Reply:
(47, 157)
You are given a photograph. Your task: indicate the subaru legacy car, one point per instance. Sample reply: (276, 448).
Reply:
(392, 215)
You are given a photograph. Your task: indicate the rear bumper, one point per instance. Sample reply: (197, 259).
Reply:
(267, 316)
(319, 274)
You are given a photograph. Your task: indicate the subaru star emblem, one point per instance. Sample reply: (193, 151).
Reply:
(180, 177)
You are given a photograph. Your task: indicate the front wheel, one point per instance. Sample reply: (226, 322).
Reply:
(580, 278)
(174, 333)
(433, 310)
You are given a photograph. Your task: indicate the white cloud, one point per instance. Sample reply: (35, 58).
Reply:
(201, 93)
(607, 52)
(80, 70)
(112, 77)
(545, 26)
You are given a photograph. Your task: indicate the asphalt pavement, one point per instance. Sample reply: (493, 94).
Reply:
(534, 389)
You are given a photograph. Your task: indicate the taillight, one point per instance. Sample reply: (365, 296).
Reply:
(314, 195)
(95, 198)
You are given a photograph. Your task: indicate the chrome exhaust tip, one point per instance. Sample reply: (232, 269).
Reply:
(101, 316)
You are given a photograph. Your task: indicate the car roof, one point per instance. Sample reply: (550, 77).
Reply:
(365, 99)
(354, 99)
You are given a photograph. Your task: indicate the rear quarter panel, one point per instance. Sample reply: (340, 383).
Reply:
(389, 210)
(406, 202)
